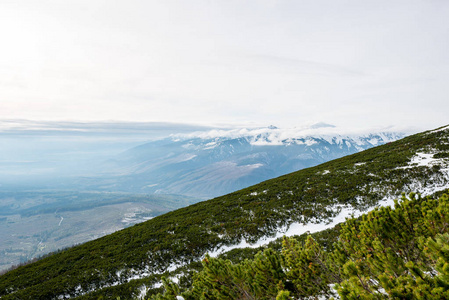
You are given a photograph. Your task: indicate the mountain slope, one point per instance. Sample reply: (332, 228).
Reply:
(388, 253)
(314, 195)
(209, 164)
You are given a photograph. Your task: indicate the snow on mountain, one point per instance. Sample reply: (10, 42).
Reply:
(274, 136)
(212, 163)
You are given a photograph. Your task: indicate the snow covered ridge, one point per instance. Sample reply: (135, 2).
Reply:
(299, 135)
(440, 129)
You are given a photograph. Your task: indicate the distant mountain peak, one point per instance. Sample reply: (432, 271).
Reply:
(212, 163)
(276, 136)
(322, 125)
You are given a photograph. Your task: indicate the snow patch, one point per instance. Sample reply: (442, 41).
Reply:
(438, 183)
(374, 141)
(310, 142)
(173, 266)
(423, 160)
(300, 228)
(440, 129)
(293, 229)
(345, 212)
(258, 193)
(139, 274)
(210, 145)
(119, 273)
(142, 292)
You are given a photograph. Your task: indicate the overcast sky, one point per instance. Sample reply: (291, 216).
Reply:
(348, 63)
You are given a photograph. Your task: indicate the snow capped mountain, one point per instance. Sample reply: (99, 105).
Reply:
(273, 135)
(212, 163)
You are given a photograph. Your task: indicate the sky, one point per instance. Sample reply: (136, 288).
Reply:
(353, 63)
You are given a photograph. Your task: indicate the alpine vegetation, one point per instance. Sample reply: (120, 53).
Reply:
(395, 253)
(398, 252)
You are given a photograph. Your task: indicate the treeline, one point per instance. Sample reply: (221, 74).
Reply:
(399, 253)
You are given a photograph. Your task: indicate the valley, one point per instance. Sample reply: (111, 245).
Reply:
(35, 223)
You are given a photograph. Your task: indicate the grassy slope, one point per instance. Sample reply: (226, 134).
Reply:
(185, 235)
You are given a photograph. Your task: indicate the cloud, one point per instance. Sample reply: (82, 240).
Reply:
(276, 136)
(144, 129)
(292, 65)
(283, 62)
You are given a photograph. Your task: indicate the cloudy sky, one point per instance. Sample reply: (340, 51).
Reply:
(348, 63)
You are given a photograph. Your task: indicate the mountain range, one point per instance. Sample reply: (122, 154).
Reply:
(132, 262)
(213, 163)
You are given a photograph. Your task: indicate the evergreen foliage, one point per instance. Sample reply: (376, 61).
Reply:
(308, 267)
(394, 253)
(400, 253)
(260, 278)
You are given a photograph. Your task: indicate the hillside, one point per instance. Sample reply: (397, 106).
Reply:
(134, 259)
(398, 252)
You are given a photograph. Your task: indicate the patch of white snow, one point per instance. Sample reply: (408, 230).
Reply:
(440, 129)
(422, 160)
(142, 292)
